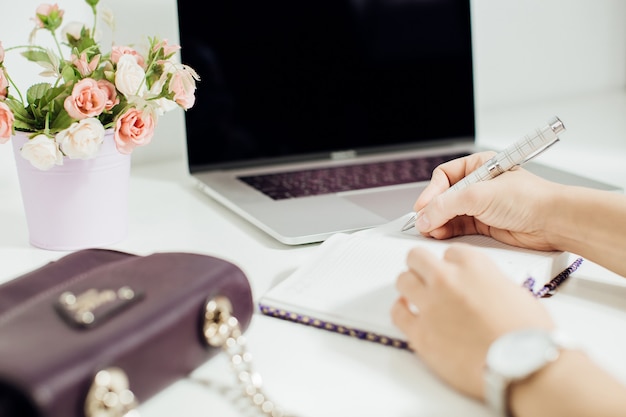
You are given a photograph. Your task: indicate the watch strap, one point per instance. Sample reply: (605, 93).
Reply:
(497, 385)
(497, 394)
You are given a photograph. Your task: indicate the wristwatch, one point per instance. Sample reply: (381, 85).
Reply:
(516, 356)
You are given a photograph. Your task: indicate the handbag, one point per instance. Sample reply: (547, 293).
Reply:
(97, 331)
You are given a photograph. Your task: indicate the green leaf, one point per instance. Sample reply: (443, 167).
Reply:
(53, 94)
(18, 109)
(86, 43)
(20, 125)
(69, 74)
(44, 101)
(26, 122)
(33, 97)
(62, 121)
(24, 119)
(36, 56)
(36, 92)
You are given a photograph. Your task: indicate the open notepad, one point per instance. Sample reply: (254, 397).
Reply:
(348, 285)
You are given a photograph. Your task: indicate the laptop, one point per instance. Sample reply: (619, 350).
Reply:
(314, 117)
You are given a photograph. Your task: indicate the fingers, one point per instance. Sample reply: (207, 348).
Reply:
(462, 255)
(440, 218)
(424, 264)
(435, 209)
(405, 311)
(450, 173)
(439, 182)
(464, 302)
(423, 269)
(412, 289)
(404, 316)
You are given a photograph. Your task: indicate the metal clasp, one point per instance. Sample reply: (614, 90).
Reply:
(110, 395)
(219, 323)
(93, 306)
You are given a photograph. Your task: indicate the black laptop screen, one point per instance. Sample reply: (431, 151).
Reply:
(282, 79)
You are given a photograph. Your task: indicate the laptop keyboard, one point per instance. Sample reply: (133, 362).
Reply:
(330, 180)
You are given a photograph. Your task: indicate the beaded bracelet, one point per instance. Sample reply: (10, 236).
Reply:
(548, 289)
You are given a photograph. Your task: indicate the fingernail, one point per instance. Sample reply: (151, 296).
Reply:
(422, 222)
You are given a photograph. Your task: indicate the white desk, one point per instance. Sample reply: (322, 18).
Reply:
(317, 373)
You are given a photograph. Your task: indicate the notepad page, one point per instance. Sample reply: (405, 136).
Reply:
(350, 280)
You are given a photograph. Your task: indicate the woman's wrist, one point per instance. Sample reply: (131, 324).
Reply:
(572, 386)
(536, 394)
(562, 218)
(589, 223)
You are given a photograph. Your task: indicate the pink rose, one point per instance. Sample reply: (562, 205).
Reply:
(4, 85)
(48, 16)
(134, 128)
(118, 51)
(109, 89)
(168, 50)
(87, 100)
(183, 85)
(1, 53)
(6, 122)
(84, 67)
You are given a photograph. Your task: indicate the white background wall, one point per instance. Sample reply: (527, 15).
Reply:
(530, 50)
(525, 51)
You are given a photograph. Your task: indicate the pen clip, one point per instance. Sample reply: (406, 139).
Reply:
(540, 150)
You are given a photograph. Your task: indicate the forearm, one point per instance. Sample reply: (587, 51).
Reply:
(573, 386)
(590, 223)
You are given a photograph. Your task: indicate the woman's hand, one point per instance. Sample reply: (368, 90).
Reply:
(512, 208)
(452, 309)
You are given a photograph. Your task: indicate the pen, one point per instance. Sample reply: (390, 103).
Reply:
(517, 154)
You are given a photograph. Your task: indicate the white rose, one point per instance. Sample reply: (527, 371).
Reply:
(42, 152)
(130, 77)
(81, 140)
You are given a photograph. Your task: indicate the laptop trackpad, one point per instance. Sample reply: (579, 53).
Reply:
(389, 204)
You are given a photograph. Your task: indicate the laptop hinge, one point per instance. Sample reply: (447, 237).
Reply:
(337, 156)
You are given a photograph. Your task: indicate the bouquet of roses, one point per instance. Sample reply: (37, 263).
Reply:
(91, 91)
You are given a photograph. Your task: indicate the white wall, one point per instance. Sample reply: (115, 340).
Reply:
(530, 50)
(525, 51)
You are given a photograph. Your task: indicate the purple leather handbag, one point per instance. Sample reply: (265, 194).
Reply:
(98, 331)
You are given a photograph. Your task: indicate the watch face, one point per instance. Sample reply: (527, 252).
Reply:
(518, 354)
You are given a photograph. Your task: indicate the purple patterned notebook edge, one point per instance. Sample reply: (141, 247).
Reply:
(332, 327)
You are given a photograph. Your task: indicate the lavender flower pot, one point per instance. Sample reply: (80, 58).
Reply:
(80, 204)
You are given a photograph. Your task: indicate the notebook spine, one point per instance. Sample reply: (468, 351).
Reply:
(325, 325)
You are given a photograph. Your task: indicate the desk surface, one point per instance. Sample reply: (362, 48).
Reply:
(312, 372)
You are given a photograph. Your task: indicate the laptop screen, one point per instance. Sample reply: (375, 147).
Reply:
(290, 80)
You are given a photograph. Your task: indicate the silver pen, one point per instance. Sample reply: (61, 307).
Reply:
(517, 154)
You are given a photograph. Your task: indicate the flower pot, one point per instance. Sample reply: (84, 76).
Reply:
(77, 205)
